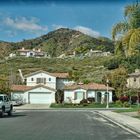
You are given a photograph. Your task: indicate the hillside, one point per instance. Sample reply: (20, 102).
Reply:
(5, 48)
(87, 69)
(66, 41)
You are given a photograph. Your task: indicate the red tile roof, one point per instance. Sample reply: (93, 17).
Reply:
(60, 75)
(57, 75)
(23, 88)
(20, 88)
(90, 86)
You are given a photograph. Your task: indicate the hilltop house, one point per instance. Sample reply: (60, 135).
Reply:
(32, 53)
(97, 53)
(41, 87)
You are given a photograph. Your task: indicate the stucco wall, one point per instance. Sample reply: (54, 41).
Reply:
(133, 82)
(51, 84)
(90, 93)
(25, 95)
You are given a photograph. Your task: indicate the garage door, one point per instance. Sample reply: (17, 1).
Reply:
(40, 98)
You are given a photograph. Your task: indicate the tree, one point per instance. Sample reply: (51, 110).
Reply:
(59, 96)
(118, 80)
(4, 51)
(128, 31)
(131, 93)
(4, 86)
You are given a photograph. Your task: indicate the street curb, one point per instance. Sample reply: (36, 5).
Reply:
(122, 125)
(109, 109)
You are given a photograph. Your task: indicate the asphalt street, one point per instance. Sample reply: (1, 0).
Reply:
(60, 125)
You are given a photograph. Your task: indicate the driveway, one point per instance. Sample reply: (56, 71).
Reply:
(32, 107)
(60, 125)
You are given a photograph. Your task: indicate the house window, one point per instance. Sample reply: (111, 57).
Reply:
(41, 80)
(32, 79)
(135, 79)
(65, 80)
(49, 79)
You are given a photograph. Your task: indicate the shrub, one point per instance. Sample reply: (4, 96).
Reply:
(85, 104)
(134, 99)
(91, 99)
(124, 99)
(126, 104)
(84, 101)
(114, 98)
(118, 103)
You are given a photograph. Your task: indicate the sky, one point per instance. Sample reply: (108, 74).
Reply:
(27, 19)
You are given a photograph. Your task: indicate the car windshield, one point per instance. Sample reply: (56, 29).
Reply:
(1, 98)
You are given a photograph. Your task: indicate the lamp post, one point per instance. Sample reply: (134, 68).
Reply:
(107, 102)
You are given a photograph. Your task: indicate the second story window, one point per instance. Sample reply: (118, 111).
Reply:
(32, 79)
(135, 79)
(49, 79)
(41, 80)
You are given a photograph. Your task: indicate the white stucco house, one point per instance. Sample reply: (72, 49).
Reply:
(40, 87)
(75, 93)
(38, 53)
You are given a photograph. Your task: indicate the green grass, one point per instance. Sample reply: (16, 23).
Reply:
(133, 108)
(83, 69)
(138, 117)
(92, 105)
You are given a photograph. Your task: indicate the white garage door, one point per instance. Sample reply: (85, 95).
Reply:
(40, 98)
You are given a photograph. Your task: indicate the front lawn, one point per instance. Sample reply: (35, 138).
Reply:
(134, 108)
(92, 105)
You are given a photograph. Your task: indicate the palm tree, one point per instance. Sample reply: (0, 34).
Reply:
(127, 33)
(130, 40)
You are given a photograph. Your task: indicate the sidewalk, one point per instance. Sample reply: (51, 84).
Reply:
(125, 120)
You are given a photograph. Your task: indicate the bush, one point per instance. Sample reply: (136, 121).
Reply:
(84, 101)
(126, 104)
(118, 103)
(114, 98)
(134, 99)
(91, 99)
(124, 99)
(85, 104)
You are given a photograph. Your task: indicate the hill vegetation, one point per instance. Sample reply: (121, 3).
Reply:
(87, 69)
(64, 41)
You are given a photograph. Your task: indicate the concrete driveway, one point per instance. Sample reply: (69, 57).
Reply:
(60, 125)
(32, 107)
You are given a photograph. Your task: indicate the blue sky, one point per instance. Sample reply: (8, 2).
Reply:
(26, 19)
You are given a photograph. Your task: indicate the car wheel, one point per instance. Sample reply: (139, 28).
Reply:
(2, 113)
(10, 112)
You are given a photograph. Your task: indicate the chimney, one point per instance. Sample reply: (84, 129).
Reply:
(91, 50)
(39, 50)
(33, 49)
(23, 48)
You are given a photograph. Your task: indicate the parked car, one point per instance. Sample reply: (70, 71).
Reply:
(5, 105)
(17, 102)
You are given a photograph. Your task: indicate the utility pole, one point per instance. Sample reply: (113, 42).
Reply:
(107, 102)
